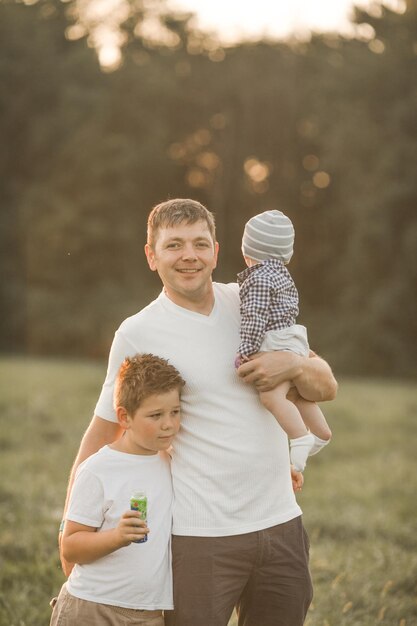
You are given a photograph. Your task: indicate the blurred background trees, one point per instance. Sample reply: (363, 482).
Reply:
(325, 130)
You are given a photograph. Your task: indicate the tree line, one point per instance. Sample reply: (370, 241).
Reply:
(324, 130)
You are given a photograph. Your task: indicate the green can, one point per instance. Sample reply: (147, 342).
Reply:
(139, 502)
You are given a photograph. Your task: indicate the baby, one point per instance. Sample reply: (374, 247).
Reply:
(269, 308)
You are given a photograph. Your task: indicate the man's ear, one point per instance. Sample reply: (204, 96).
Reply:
(123, 417)
(150, 256)
(216, 251)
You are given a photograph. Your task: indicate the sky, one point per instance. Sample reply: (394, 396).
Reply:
(233, 19)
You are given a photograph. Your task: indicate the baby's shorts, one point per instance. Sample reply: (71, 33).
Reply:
(293, 339)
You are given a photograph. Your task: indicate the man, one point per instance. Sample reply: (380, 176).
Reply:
(238, 539)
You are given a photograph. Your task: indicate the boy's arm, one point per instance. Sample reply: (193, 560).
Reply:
(99, 433)
(82, 544)
(311, 375)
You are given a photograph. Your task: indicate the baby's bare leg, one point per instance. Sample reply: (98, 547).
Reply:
(290, 420)
(285, 412)
(313, 418)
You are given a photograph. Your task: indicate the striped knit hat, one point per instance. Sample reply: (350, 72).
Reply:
(269, 235)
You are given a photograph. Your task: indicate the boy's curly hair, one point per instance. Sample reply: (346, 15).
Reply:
(141, 376)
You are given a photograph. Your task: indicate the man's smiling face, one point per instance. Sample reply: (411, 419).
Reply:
(184, 257)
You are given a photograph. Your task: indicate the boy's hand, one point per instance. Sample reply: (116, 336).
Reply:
(297, 479)
(131, 528)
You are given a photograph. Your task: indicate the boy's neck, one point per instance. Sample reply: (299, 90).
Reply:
(124, 445)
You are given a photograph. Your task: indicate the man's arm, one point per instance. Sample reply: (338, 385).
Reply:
(99, 433)
(316, 382)
(311, 375)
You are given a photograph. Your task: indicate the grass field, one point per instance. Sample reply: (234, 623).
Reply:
(359, 500)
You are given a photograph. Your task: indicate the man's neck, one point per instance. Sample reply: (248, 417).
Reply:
(202, 303)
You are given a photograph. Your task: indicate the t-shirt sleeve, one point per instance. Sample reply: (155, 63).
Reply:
(120, 349)
(86, 504)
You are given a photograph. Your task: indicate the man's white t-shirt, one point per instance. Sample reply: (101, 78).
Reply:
(230, 465)
(137, 576)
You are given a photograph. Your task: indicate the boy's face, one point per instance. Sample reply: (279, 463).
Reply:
(184, 257)
(154, 424)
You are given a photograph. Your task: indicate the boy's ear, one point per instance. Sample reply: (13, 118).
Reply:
(123, 417)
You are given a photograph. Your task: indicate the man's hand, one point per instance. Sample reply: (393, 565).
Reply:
(266, 370)
(67, 567)
(311, 375)
(297, 479)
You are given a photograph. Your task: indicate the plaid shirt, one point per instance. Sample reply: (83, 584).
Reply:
(268, 301)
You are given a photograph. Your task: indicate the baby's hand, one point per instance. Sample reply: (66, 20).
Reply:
(131, 528)
(239, 360)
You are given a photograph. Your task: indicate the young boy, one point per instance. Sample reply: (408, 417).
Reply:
(116, 580)
(269, 307)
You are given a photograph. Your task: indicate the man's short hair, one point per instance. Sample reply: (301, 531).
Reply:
(141, 376)
(174, 212)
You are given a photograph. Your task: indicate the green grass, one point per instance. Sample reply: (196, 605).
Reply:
(359, 499)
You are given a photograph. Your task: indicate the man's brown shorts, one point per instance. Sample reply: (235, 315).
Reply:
(71, 611)
(263, 574)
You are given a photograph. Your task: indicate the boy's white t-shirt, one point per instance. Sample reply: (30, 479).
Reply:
(137, 576)
(230, 459)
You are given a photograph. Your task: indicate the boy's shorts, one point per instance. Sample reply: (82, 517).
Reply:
(71, 611)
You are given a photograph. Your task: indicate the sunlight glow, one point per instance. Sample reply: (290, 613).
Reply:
(321, 180)
(237, 19)
(311, 162)
(110, 57)
(227, 22)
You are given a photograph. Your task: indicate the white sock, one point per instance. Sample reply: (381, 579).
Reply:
(318, 445)
(299, 450)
